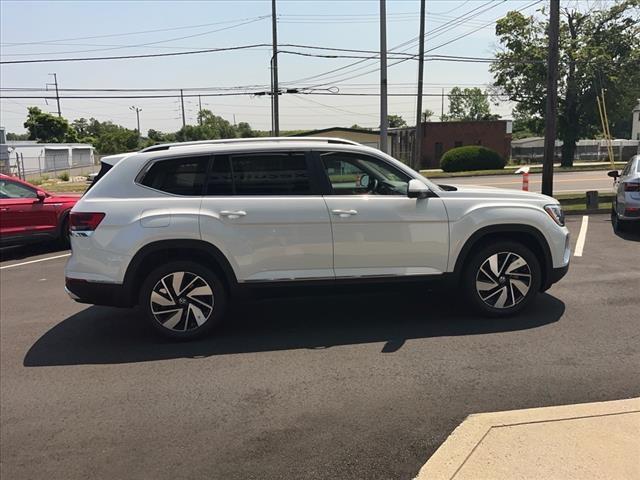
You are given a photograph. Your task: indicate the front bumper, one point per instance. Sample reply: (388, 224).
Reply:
(557, 274)
(98, 293)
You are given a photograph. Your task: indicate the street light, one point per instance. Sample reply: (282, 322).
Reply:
(137, 110)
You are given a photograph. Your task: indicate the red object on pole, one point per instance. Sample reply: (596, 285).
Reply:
(525, 181)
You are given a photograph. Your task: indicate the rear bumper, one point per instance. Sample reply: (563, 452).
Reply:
(98, 293)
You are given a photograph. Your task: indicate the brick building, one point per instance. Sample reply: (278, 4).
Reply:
(438, 137)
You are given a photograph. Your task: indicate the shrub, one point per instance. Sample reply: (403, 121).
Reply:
(64, 176)
(471, 157)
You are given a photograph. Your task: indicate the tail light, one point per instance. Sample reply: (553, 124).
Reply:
(631, 187)
(84, 222)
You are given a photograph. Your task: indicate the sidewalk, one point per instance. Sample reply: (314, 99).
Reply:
(539, 165)
(583, 441)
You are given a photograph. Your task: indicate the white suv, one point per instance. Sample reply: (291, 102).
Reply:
(180, 229)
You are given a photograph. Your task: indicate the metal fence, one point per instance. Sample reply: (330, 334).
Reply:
(586, 151)
(30, 168)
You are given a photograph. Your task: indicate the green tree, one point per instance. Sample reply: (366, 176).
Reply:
(525, 125)
(210, 127)
(599, 49)
(244, 130)
(17, 136)
(81, 126)
(156, 136)
(469, 104)
(396, 121)
(45, 127)
(427, 115)
(112, 138)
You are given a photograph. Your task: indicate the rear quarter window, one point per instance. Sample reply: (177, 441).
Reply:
(179, 176)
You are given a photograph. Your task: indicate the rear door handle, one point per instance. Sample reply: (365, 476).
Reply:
(233, 214)
(344, 213)
(4, 209)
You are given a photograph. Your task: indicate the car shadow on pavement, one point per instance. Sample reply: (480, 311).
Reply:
(632, 233)
(19, 252)
(101, 335)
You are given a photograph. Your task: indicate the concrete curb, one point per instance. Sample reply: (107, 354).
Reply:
(587, 212)
(448, 461)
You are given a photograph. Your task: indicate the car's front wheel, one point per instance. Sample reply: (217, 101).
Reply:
(501, 279)
(183, 300)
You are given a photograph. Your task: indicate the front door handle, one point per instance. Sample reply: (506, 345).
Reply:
(344, 213)
(233, 214)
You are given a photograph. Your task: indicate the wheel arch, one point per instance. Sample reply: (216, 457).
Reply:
(64, 217)
(527, 235)
(149, 256)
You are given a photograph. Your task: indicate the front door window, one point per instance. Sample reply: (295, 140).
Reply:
(356, 174)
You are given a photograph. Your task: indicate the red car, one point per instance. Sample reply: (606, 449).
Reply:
(30, 214)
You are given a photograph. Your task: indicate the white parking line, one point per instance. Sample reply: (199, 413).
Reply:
(582, 236)
(35, 261)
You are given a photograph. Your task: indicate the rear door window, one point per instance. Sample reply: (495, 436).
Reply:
(180, 176)
(277, 173)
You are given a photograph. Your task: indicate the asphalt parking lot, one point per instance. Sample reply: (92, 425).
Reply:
(356, 386)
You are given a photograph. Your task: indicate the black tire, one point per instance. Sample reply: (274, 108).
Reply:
(63, 239)
(183, 315)
(617, 224)
(502, 294)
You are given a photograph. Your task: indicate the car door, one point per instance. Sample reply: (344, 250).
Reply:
(22, 212)
(265, 213)
(377, 229)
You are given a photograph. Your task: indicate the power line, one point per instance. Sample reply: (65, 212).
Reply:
(119, 47)
(192, 52)
(200, 89)
(479, 60)
(13, 44)
(148, 55)
(429, 34)
(235, 94)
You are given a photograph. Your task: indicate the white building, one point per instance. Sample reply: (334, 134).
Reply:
(38, 158)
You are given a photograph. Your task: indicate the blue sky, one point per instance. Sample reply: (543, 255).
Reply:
(341, 24)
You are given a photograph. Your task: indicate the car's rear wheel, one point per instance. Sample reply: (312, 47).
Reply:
(183, 300)
(618, 225)
(501, 279)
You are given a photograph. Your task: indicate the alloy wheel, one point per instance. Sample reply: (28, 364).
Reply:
(182, 301)
(503, 280)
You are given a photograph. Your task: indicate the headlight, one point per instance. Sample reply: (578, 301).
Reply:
(555, 212)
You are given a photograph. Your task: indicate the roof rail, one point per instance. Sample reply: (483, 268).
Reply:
(167, 146)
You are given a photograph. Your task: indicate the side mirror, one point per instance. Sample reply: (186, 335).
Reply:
(417, 189)
(41, 195)
(613, 174)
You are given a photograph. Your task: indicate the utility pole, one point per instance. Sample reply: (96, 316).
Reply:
(55, 82)
(199, 110)
(137, 110)
(184, 120)
(384, 121)
(551, 112)
(442, 106)
(274, 72)
(417, 157)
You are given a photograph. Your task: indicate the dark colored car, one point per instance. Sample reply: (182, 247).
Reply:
(30, 214)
